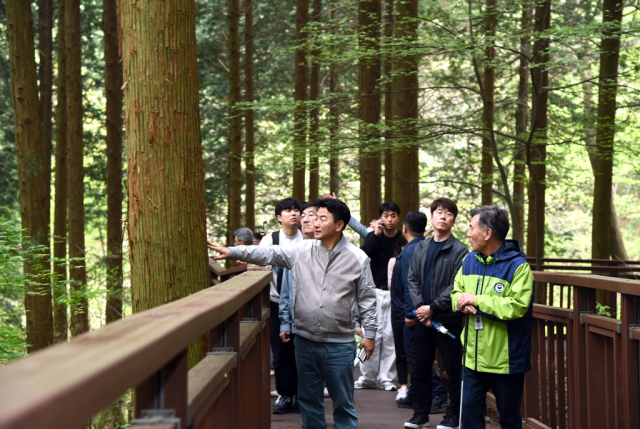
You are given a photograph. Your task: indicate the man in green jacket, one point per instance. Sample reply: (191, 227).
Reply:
(495, 289)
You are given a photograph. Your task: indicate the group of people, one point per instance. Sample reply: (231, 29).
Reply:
(393, 292)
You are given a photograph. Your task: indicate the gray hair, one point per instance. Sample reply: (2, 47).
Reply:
(493, 218)
(244, 234)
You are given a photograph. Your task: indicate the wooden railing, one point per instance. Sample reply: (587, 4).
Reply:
(64, 385)
(585, 366)
(606, 267)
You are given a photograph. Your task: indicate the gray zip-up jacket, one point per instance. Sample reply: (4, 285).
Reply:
(445, 268)
(328, 286)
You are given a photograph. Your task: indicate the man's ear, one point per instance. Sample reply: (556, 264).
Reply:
(488, 234)
(279, 217)
(405, 229)
(339, 224)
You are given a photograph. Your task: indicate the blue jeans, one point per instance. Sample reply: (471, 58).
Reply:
(507, 388)
(330, 363)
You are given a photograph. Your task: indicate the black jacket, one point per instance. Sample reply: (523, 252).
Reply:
(380, 248)
(447, 265)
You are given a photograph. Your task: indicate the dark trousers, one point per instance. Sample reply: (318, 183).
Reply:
(401, 357)
(426, 340)
(507, 388)
(284, 357)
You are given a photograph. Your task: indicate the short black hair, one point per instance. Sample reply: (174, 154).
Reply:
(416, 222)
(307, 205)
(389, 206)
(493, 218)
(287, 204)
(337, 208)
(445, 203)
(258, 236)
(401, 243)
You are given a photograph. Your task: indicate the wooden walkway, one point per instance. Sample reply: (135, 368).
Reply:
(375, 407)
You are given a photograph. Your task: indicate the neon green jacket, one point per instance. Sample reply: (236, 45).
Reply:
(503, 285)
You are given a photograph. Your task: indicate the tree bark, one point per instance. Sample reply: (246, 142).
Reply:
(334, 114)
(165, 177)
(388, 103)
(78, 273)
(113, 83)
(60, 296)
(522, 115)
(235, 122)
(299, 97)
(369, 108)
(486, 168)
(536, 156)
(314, 94)
(32, 172)
(406, 189)
(605, 130)
(250, 175)
(618, 249)
(45, 76)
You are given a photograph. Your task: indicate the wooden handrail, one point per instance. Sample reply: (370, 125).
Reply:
(64, 385)
(590, 281)
(586, 261)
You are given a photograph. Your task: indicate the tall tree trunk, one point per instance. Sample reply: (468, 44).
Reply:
(45, 75)
(32, 171)
(486, 168)
(165, 177)
(78, 272)
(537, 151)
(250, 174)
(235, 122)
(605, 129)
(369, 108)
(60, 296)
(522, 115)
(406, 190)
(314, 94)
(601, 247)
(334, 114)
(113, 83)
(388, 102)
(299, 97)
(618, 249)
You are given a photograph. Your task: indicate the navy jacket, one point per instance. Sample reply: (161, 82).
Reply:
(399, 291)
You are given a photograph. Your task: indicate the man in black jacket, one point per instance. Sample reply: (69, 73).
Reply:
(432, 270)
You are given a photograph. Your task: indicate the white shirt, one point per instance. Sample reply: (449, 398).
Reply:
(285, 241)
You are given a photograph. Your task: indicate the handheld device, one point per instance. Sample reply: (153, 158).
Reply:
(437, 326)
(264, 226)
(362, 355)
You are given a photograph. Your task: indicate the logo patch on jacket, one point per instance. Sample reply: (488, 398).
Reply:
(498, 287)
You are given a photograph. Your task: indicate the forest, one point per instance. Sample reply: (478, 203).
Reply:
(133, 132)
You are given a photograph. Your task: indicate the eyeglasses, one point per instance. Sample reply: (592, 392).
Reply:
(309, 213)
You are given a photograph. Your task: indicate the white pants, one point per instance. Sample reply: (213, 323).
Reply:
(382, 364)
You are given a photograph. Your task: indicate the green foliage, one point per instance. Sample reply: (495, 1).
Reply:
(603, 310)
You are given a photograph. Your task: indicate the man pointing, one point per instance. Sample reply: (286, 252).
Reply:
(332, 276)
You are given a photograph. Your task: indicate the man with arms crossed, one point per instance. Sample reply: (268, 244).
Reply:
(495, 289)
(432, 270)
(331, 278)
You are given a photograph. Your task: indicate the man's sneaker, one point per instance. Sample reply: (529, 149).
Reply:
(439, 403)
(405, 402)
(388, 386)
(361, 383)
(402, 393)
(284, 405)
(274, 394)
(449, 422)
(418, 421)
(326, 392)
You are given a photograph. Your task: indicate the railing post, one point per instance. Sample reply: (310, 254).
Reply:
(165, 390)
(583, 300)
(628, 389)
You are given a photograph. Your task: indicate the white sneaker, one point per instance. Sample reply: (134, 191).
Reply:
(274, 394)
(402, 393)
(326, 392)
(361, 383)
(388, 386)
